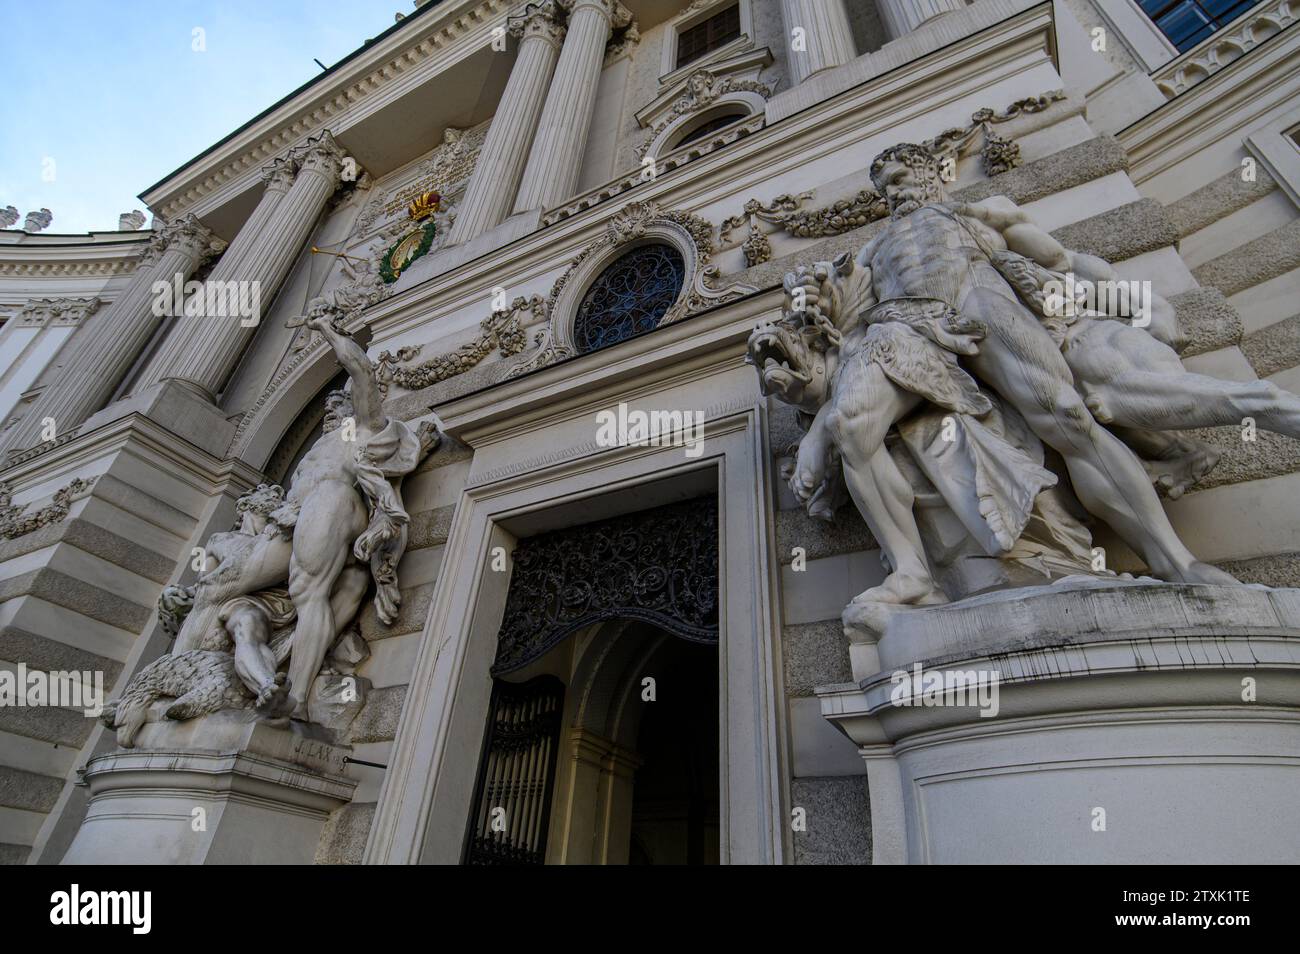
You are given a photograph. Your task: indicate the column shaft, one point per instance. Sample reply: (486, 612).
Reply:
(500, 166)
(113, 340)
(204, 349)
(551, 175)
(826, 37)
(901, 17)
(279, 178)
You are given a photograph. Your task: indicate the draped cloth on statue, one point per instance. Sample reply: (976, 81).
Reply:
(382, 462)
(972, 464)
(986, 480)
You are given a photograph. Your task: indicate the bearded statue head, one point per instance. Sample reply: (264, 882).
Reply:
(338, 408)
(907, 175)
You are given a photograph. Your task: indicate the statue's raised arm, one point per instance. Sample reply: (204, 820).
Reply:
(327, 318)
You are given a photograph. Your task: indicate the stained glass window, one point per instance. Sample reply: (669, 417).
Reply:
(630, 296)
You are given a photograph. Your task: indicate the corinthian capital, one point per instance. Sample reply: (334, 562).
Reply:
(321, 154)
(279, 174)
(188, 235)
(618, 15)
(545, 19)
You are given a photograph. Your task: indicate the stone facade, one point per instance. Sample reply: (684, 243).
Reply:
(446, 201)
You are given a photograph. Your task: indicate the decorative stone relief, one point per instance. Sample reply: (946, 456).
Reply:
(690, 234)
(445, 172)
(8, 217)
(788, 214)
(130, 221)
(55, 312)
(623, 42)
(504, 330)
(948, 329)
(190, 233)
(13, 522)
(266, 628)
(704, 89)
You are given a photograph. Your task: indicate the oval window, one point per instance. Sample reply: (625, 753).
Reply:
(630, 296)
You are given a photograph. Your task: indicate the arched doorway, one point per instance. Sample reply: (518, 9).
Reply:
(604, 713)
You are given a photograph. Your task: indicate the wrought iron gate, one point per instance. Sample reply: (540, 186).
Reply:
(512, 799)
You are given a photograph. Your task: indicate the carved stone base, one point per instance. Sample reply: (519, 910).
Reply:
(1132, 722)
(215, 790)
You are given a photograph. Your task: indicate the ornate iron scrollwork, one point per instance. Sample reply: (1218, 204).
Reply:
(630, 296)
(659, 566)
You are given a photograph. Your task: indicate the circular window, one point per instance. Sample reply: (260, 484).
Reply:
(630, 296)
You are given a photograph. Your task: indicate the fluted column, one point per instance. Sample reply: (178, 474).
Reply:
(825, 39)
(104, 351)
(551, 175)
(901, 17)
(500, 166)
(203, 350)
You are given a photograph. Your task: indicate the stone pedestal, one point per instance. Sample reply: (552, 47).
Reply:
(1119, 722)
(217, 790)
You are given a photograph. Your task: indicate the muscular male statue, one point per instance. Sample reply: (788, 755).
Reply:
(932, 298)
(341, 517)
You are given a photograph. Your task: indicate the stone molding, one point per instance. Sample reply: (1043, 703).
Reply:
(504, 330)
(328, 104)
(55, 312)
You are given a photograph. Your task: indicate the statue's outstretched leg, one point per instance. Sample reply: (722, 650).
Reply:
(254, 661)
(867, 405)
(331, 518)
(1167, 402)
(1021, 361)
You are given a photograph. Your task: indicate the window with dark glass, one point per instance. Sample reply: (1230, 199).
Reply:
(713, 125)
(1188, 22)
(708, 35)
(629, 297)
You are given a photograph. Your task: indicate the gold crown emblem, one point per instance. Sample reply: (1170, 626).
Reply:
(424, 205)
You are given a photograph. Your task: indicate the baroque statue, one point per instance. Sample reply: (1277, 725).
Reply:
(276, 597)
(942, 360)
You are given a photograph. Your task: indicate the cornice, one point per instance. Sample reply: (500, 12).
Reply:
(143, 437)
(88, 259)
(1234, 96)
(378, 75)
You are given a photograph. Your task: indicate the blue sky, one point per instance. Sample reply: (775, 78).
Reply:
(102, 98)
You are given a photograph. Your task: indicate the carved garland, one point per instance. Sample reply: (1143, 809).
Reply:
(503, 330)
(14, 524)
(787, 212)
